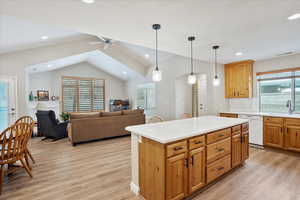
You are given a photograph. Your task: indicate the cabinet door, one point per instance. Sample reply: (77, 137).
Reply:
(292, 138)
(273, 135)
(229, 81)
(243, 82)
(236, 156)
(176, 177)
(245, 146)
(197, 169)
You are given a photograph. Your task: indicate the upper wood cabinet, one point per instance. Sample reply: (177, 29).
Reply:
(238, 79)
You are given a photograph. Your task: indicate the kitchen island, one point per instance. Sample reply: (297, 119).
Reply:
(172, 160)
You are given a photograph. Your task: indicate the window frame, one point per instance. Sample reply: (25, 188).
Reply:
(293, 84)
(77, 92)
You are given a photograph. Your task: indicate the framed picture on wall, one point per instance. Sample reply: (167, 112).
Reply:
(43, 95)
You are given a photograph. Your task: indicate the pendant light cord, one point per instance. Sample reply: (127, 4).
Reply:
(216, 70)
(192, 67)
(156, 51)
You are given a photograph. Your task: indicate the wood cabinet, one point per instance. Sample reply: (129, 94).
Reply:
(292, 134)
(245, 146)
(273, 132)
(236, 158)
(228, 115)
(175, 170)
(238, 79)
(197, 169)
(176, 177)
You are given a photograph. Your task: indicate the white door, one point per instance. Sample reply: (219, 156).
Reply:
(8, 94)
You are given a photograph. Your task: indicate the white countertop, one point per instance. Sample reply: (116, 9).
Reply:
(285, 115)
(170, 131)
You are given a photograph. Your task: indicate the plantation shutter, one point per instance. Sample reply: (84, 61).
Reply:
(83, 94)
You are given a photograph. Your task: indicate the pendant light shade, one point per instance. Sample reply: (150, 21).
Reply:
(216, 81)
(156, 74)
(192, 77)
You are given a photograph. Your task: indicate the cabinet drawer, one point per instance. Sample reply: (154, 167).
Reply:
(197, 142)
(273, 120)
(218, 135)
(218, 150)
(236, 130)
(245, 127)
(176, 148)
(218, 168)
(292, 122)
(228, 115)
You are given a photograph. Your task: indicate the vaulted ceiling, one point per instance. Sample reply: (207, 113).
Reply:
(258, 28)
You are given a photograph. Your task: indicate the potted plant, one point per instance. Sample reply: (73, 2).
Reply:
(65, 116)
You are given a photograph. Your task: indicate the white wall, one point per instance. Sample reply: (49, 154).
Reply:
(252, 104)
(51, 81)
(15, 63)
(183, 96)
(173, 68)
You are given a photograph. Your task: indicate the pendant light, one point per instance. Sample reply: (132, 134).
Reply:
(216, 78)
(156, 74)
(192, 77)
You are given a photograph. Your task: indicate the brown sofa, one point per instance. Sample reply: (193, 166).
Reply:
(91, 126)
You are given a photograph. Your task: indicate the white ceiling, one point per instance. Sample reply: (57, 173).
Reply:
(97, 58)
(258, 28)
(18, 34)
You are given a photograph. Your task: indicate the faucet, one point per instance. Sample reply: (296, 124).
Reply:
(289, 105)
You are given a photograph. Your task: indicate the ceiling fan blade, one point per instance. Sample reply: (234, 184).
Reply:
(102, 38)
(93, 43)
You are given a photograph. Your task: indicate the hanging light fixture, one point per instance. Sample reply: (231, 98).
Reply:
(156, 74)
(216, 78)
(192, 77)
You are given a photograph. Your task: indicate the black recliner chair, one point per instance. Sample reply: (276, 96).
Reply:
(49, 126)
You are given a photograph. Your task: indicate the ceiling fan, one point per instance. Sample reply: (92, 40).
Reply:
(106, 41)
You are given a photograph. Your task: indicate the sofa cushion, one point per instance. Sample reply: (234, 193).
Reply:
(83, 115)
(109, 114)
(133, 112)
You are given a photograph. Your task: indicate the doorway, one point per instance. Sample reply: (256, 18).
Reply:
(8, 95)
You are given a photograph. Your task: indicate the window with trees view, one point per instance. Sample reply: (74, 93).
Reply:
(83, 94)
(277, 88)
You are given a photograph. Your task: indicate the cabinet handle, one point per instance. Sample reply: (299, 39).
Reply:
(221, 149)
(220, 168)
(198, 142)
(221, 135)
(177, 148)
(192, 160)
(186, 163)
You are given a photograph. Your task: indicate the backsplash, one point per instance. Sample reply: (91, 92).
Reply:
(248, 104)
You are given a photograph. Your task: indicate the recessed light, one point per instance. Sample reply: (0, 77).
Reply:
(45, 37)
(238, 53)
(147, 56)
(88, 1)
(124, 72)
(294, 16)
(49, 65)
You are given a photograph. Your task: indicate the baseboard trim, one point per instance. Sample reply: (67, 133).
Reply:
(134, 188)
(256, 146)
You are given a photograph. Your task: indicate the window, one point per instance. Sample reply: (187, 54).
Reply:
(146, 96)
(83, 94)
(276, 88)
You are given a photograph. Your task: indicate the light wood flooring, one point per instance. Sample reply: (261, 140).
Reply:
(101, 171)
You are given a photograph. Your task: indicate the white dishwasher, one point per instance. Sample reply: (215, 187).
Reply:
(255, 128)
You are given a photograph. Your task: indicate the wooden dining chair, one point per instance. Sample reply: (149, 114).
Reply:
(13, 142)
(186, 115)
(154, 119)
(28, 120)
